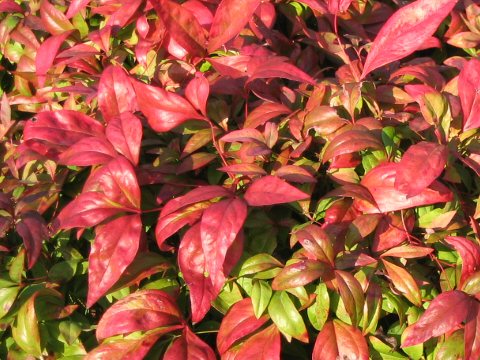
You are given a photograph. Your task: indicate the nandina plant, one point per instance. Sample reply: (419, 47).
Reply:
(225, 179)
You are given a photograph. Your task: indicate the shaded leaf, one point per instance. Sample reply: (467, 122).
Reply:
(88, 152)
(197, 92)
(351, 293)
(33, 230)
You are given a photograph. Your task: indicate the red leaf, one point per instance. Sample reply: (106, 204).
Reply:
(380, 181)
(230, 18)
(316, 241)
(117, 180)
(468, 90)
(87, 152)
(277, 67)
(351, 293)
(294, 173)
(469, 252)
(239, 322)
(125, 134)
(199, 194)
(33, 230)
(219, 227)
(390, 231)
(131, 349)
(115, 247)
(61, 129)
(424, 158)
(472, 332)
(406, 31)
(7, 6)
(76, 6)
(192, 263)
(263, 113)
(271, 190)
(338, 340)
(164, 110)
(197, 92)
(115, 93)
(87, 210)
(244, 135)
(189, 347)
(54, 21)
(445, 313)
(351, 141)
(46, 54)
(182, 26)
(141, 311)
(403, 282)
(264, 345)
(338, 6)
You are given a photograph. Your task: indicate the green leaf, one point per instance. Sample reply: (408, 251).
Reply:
(25, 330)
(318, 312)
(452, 348)
(17, 267)
(381, 351)
(259, 263)
(7, 298)
(286, 316)
(261, 294)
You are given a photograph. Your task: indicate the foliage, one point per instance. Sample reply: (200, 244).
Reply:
(231, 179)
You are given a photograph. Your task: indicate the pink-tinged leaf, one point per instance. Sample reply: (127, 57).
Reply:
(125, 134)
(244, 169)
(201, 193)
(46, 54)
(472, 332)
(164, 110)
(468, 90)
(10, 6)
(351, 141)
(197, 92)
(115, 93)
(408, 252)
(424, 158)
(300, 273)
(244, 135)
(87, 210)
(403, 282)
(76, 6)
(192, 262)
(338, 6)
(198, 140)
(88, 152)
(239, 322)
(117, 180)
(294, 173)
(445, 313)
(380, 182)
(354, 191)
(230, 18)
(141, 311)
(263, 113)
(169, 224)
(131, 349)
(406, 31)
(61, 129)
(271, 190)
(54, 21)
(219, 227)
(338, 340)
(469, 252)
(390, 231)
(277, 67)
(182, 26)
(115, 247)
(33, 230)
(264, 345)
(189, 347)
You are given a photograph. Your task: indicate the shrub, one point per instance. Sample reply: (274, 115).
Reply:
(240, 179)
